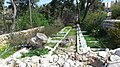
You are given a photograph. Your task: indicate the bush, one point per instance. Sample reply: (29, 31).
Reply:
(114, 34)
(23, 23)
(54, 28)
(37, 20)
(40, 20)
(116, 11)
(36, 52)
(93, 21)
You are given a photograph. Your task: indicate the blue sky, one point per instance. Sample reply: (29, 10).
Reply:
(43, 2)
(47, 1)
(39, 3)
(107, 0)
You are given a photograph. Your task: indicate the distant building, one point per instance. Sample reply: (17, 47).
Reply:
(115, 1)
(109, 4)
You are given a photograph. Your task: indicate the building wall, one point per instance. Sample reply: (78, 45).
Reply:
(109, 4)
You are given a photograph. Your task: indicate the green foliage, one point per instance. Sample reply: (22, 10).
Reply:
(116, 11)
(1, 4)
(38, 19)
(5, 55)
(6, 51)
(94, 44)
(23, 23)
(2, 48)
(93, 21)
(35, 52)
(90, 38)
(72, 32)
(114, 34)
(52, 45)
(54, 27)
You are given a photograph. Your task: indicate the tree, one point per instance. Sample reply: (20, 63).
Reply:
(83, 8)
(114, 34)
(14, 15)
(116, 11)
(3, 16)
(30, 13)
(20, 8)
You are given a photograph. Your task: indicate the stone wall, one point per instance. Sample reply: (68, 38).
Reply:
(19, 37)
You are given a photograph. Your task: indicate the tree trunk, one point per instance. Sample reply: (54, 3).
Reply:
(61, 12)
(30, 13)
(87, 9)
(78, 12)
(14, 15)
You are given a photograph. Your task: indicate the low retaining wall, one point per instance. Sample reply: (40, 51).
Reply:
(19, 37)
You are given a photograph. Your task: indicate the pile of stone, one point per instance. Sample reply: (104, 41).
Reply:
(107, 58)
(114, 59)
(65, 60)
(104, 58)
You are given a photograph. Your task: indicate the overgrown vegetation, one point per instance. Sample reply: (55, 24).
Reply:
(93, 21)
(38, 20)
(52, 45)
(90, 38)
(94, 44)
(116, 11)
(114, 34)
(111, 37)
(36, 52)
(6, 51)
(72, 32)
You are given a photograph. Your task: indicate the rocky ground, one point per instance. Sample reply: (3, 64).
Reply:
(66, 56)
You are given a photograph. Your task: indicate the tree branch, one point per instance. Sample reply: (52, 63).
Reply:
(87, 9)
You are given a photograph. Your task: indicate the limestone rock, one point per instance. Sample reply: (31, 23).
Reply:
(65, 42)
(39, 40)
(113, 64)
(42, 37)
(79, 57)
(3, 63)
(114, 58)
(103, 54)
(51, 60)
(22, 64)
(60, 62)
(78, 64)
(117, 52)
(67, 64)
(95, 61)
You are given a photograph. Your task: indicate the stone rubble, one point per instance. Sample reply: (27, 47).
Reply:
(104, 58)
(64, 60)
